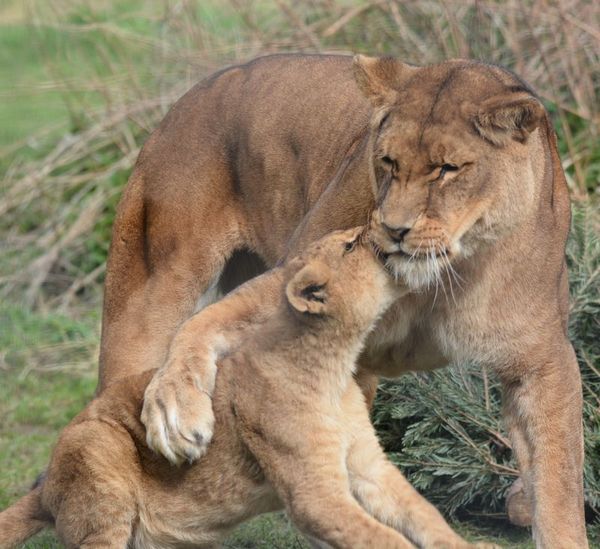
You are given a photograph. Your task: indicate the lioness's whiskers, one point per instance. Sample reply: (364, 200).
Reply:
(446, 263)
(437, 283)
(433, 264)
(444, 290)
(455, 274)
(452, 271)
(412, 256)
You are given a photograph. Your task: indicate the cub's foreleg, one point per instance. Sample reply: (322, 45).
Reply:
(306, 470)
(384, 492)
(177, 410)
(317, 498)
(331, 514)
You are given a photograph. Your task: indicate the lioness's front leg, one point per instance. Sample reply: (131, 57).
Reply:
(543, 410)
(177, 410)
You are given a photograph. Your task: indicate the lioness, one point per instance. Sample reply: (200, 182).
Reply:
(292, 430)
(457, 166)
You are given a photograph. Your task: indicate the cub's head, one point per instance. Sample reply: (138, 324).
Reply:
(339, 277)
(457, 158)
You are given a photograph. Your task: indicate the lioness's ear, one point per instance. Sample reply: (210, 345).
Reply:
(500, 119)
(379, 78)
(307, 290)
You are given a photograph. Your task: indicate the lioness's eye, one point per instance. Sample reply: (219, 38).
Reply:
(389, 162)
(445, 168)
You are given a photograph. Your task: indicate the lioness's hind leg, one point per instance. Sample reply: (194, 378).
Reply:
(167, 250)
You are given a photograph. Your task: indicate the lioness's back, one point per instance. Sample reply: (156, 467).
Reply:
(278, 122)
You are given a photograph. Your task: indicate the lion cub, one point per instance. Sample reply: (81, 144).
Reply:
(292, 431)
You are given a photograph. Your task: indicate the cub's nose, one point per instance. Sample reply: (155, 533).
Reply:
(397, 234)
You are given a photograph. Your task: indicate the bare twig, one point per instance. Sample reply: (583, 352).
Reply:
(348, 16)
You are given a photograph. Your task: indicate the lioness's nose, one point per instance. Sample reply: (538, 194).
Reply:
(397, 234)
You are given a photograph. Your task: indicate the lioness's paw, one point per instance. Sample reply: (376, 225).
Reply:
(178, 417)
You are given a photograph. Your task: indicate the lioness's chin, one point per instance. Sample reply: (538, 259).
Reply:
(419, 275)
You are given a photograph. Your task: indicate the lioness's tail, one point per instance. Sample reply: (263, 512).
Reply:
(22, 520)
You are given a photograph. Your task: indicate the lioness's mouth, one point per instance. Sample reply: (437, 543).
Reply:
(419, 255)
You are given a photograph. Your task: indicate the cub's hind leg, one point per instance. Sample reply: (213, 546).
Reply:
(102, 517)
(91, 486)
(116, 537)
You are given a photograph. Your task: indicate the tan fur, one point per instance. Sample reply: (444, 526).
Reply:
(292, 431)
(271, 155)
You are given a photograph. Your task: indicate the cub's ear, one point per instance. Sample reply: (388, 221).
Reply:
(379, 78)
(500, 119)
(307, 290)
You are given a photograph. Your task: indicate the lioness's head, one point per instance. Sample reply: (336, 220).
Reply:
(340, 277)
(456, 160)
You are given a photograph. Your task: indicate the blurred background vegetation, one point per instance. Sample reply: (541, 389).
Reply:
(83, 82)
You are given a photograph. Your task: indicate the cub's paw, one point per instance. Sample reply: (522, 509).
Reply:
(178, 416)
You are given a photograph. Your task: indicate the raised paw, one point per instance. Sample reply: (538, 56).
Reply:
(178, 416)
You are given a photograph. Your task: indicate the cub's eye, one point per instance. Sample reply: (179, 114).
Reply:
(445, 168)
(349, 246)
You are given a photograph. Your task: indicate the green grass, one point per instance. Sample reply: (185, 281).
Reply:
(85, 64)
(24, 108)
(36, 401)
(51, 77)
